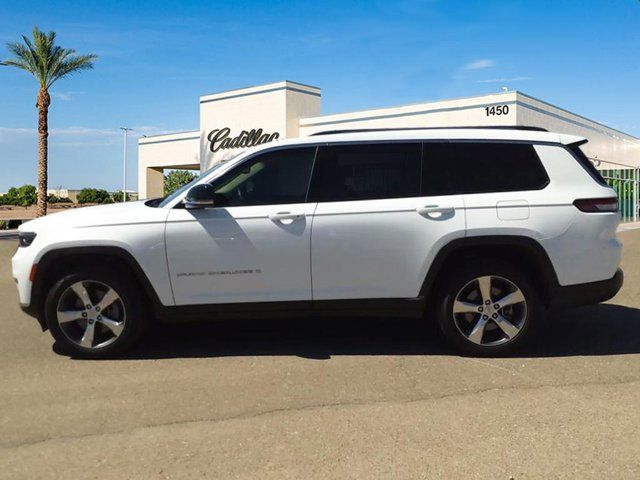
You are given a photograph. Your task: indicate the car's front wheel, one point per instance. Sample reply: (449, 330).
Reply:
(94, 314)
(489, 308)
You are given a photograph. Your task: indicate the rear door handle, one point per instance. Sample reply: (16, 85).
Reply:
(285, 217)
(435, 211)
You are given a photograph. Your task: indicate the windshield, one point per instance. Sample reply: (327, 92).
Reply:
(169, 198)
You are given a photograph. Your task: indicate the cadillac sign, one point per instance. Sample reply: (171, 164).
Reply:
(220, 138)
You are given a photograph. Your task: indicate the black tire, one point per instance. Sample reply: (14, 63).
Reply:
(457, 328)
(128, 304)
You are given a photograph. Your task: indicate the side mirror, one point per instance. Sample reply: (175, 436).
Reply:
(200, 196)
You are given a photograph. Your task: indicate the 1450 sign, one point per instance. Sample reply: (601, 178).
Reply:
(220, 138)
(496, 110)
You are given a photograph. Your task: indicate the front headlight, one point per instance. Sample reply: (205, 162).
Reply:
(26, 238)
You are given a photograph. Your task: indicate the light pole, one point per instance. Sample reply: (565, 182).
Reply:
(124, 174)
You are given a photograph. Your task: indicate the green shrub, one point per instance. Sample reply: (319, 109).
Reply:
(176, 179)
(56, 199)
(94, 195)
(21, 196)
(117, 196)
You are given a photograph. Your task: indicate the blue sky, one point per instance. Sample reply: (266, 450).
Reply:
(157, 58)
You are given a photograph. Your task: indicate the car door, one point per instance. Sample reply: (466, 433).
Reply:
(503, 184)
(254, 245)
(377, 226)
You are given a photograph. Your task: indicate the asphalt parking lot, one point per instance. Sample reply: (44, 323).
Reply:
(340, 399)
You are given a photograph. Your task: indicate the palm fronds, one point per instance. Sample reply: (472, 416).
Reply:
(45, 60)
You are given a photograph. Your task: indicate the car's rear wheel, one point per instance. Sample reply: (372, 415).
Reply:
(489, 308)
(94, 314)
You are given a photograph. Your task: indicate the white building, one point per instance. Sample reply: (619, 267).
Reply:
(232, 120)
(71, 194)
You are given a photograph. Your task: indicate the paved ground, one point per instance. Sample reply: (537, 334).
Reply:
(334, 400)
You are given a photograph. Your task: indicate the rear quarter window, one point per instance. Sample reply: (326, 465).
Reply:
(481, 167)
(584, 161)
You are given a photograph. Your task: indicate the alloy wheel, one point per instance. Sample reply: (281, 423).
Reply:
(91, 314)
(490, 310)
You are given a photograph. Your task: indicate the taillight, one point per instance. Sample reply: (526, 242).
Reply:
(32, 273)
(597, 205)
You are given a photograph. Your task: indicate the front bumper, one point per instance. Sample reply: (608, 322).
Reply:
(587, 293)
(21, 265)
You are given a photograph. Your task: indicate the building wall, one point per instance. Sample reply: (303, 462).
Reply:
(274, 108)
(300, 105)
(606, 144)
(450, 113)
(71, 194)
(178, 150)
(609, 146)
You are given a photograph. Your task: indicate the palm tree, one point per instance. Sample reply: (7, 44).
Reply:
(47, 62)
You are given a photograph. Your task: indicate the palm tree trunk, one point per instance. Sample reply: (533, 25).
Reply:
(44, 100)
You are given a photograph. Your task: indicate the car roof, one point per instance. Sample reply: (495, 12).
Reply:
(497, 134)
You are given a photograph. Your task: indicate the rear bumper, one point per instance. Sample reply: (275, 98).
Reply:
(587, 293)
(29, 310)
(33, 312)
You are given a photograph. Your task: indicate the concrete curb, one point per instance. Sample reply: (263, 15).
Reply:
(628, 226)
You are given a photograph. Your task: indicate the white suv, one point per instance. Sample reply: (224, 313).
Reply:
(482, 229)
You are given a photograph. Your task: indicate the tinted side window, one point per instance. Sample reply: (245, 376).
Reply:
(587, 165)
(436, 176)
(469, 167)
(366, 172)
(276, 177)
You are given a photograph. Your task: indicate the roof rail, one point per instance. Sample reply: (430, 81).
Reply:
(483, 127)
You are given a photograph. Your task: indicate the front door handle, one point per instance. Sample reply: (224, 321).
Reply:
(436, 211)
(286, 217)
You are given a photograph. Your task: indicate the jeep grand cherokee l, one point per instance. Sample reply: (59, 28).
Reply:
(483, 230)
